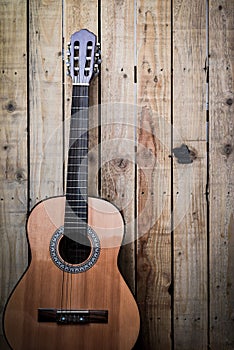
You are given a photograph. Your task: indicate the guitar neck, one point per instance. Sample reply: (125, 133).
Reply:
(76, 210)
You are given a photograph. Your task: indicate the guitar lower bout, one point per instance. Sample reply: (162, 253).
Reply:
(74, 306)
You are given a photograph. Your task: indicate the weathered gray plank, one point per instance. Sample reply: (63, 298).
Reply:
(117, 119)
(45, 96)
(13, 143)
(154, 173)
(189, 175)
(221, 175)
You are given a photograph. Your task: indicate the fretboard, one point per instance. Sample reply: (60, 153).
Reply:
(76, 210)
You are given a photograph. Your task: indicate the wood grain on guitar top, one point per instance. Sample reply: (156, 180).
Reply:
(44, 285)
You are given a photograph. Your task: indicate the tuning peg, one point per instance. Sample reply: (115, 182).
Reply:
(68, 44)
(98, 60)
(68, 53)
(68, 72)
(67, 63)
(98, 48)
(96, 72)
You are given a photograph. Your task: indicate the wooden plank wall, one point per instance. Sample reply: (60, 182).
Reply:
(164, 154)
(14, 155)
(189, 175)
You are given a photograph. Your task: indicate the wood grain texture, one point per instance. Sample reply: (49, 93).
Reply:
(79, 15)
(117, 120)
(13, 144)
(45, 286)
(45, 96)
(221, 175)
(137, 33)
(189, 175)
(153, 178)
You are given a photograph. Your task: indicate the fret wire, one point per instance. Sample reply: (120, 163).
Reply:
(80, 201)
(72, 217)
(71, 224)
(80, 118)
(77, 226)
(72, 200)
(73, 187)
(81, 205)
(84, 199)
(73, 194)
(75, 172)
(77, 221)
(76, 157)
(83, 138)
(75, 206)
(83, 165)
(76, 202)
(80, 96)
(84, 148)
(81, 108)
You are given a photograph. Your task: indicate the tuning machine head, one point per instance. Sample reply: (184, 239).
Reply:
(98, 50)
(97, 60)
(68, 65)
(68, 54)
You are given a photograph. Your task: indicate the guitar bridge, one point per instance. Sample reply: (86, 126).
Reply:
(68, 317)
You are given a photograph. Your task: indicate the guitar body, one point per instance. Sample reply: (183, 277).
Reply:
(46, 286)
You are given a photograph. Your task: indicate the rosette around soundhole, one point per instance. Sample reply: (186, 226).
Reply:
(61, 262)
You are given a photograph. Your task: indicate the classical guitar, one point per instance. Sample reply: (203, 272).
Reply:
(72, 296)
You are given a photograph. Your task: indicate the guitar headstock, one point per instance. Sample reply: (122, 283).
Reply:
(83, 57)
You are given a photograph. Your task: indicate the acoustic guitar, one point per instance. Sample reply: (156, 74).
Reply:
(72, 295)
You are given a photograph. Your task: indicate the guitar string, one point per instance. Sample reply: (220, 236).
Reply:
(82, 91)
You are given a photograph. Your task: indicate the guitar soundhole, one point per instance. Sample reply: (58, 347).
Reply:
(73, 257)
(73, 252)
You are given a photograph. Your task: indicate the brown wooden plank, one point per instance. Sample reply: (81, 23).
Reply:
(153, 224)
(45, 95)
(13, 141)
(83, 15)
(117, 119)
(189, 175)
(221, 175)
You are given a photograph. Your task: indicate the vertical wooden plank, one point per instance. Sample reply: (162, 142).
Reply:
(45, 96)
(117, 120)
(13, 140)
(189, 175)
(154, 173)
(221, 175)
(83, 15)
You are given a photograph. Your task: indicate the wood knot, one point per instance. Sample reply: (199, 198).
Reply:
(6, 147)
(11, 106)
(19, 176)
(229, 101)
(121, 163)
(170, 289)
(227, 149)
(184, 155)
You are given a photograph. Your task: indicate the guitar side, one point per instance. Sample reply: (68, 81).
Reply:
(46, 286)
